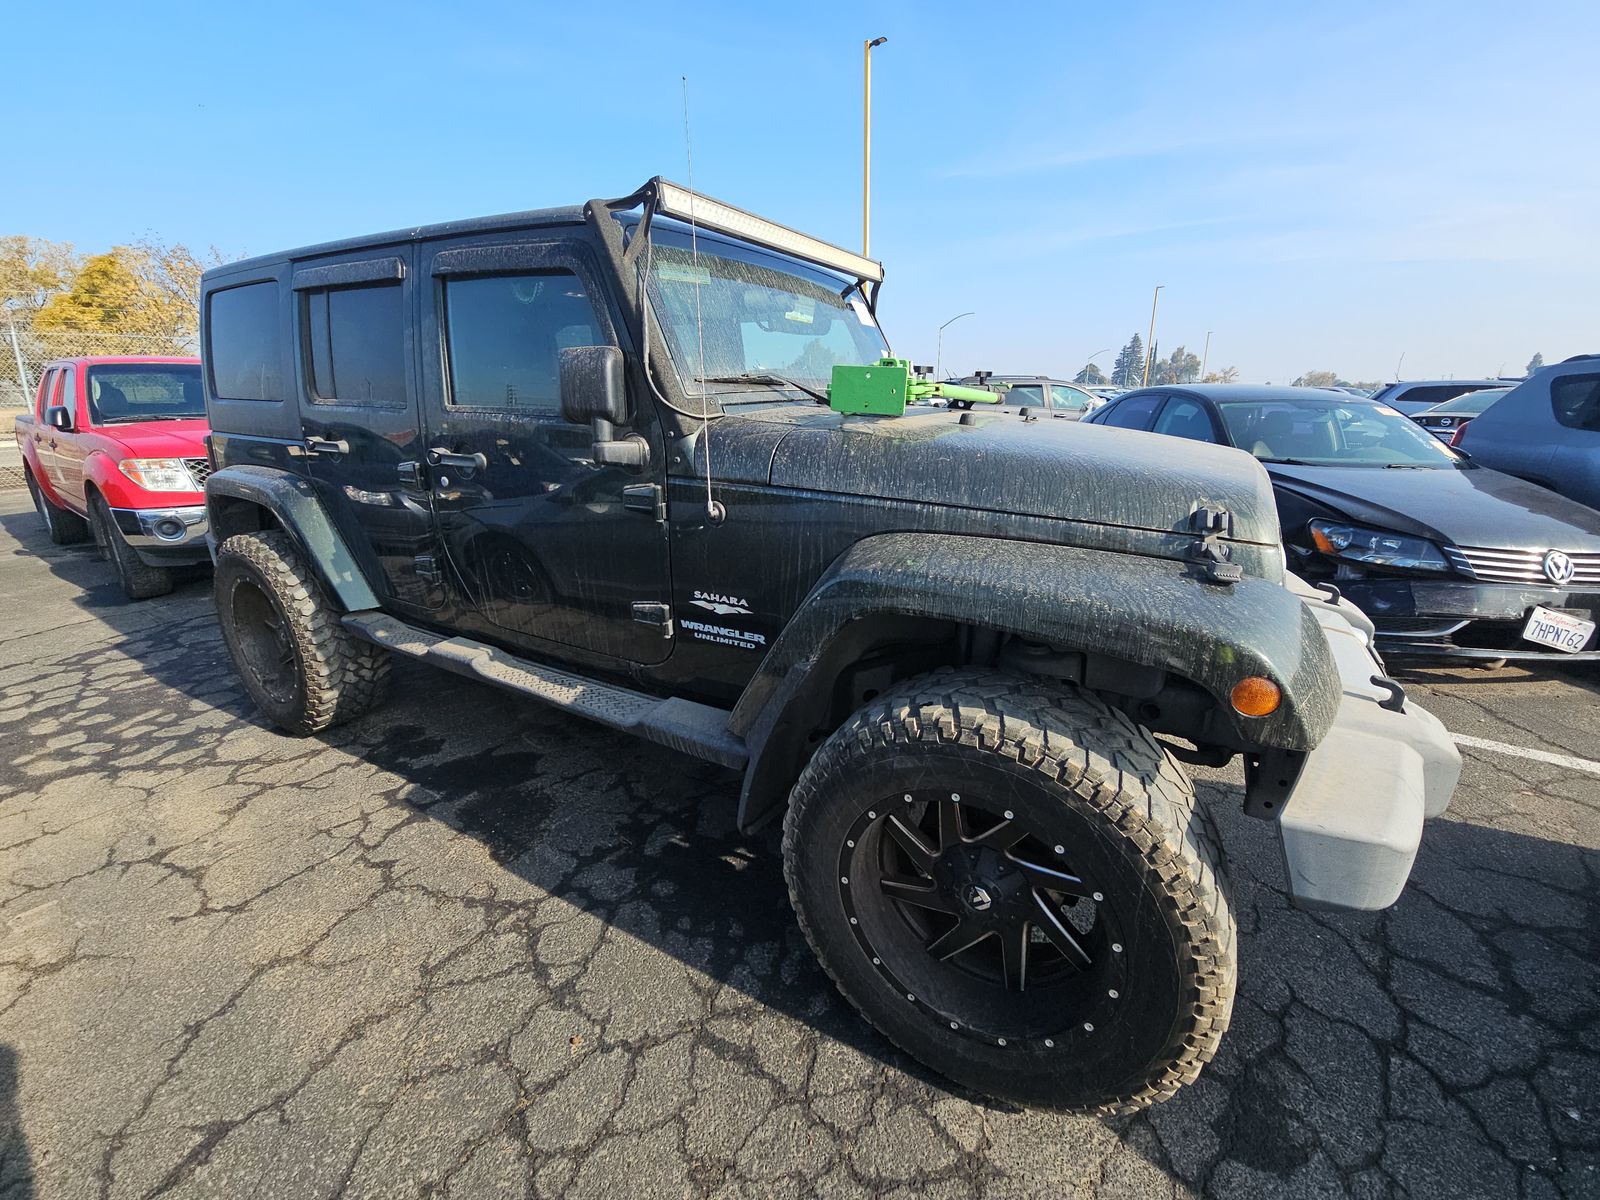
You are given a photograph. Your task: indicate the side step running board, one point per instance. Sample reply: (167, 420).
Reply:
(696, 729)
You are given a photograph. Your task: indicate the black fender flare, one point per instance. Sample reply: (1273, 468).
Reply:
(294, 505)
(1153, 612)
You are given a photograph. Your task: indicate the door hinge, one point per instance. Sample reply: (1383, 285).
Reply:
(646, 498)
(650, 613)
(428, 568)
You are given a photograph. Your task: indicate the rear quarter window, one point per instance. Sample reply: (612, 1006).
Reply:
(1576, 401)
(244, 342)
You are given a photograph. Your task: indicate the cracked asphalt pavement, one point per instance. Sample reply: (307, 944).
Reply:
(471, 947)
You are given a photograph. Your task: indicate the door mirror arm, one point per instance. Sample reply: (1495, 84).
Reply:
(612, 451)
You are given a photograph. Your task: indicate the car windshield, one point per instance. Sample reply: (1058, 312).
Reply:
(730, 309)
(1472, 402)
(124, 392)
(1332, 433)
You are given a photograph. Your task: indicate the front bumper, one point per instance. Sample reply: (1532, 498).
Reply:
(1424, 618)
(165, 537)
(1352, 822)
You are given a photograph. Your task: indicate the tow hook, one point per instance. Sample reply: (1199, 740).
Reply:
(1397, 694)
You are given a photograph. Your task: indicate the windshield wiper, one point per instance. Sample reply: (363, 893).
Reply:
(133, 420)
(1292, 462)
(765, 377)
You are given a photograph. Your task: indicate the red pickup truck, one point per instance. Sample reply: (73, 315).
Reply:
(115, 447)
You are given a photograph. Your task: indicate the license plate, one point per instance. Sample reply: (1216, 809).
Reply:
(1557, 630)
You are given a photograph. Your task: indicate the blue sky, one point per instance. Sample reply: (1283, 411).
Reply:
(1326, 186)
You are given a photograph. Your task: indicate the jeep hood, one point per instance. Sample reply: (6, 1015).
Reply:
(999, 463)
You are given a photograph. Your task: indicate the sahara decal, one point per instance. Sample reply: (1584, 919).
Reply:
(723, 606)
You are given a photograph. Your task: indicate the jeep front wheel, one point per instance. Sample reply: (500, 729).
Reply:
(299, 663)
(1013, 882)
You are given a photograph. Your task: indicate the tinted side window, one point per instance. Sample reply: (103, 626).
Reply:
(1066, 398)
(1576, 399)
(356, 338)
(66, 391)
(1186, 419)
(504, 335)
(1430, 396)
(46, 393)
(1133, 413)
(242, 342)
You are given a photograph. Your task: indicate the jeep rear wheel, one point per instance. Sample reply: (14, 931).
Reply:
(65, 528)
(299, 663)
(1013, 882)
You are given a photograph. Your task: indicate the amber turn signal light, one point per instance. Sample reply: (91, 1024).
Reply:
(1256, 697)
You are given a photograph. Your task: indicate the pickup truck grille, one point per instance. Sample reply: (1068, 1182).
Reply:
(1520, 566)
(200, 468)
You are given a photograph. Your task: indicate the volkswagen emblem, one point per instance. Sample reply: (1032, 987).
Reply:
(1558, 568)
(977, 897)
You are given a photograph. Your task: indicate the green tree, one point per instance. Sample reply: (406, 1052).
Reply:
(1222, 375)
(1180, 367)
(1317, 379)
(1129, 367)
(32, 270)
(1534, 364)
(1090, 374)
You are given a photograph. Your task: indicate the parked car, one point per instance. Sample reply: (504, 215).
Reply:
(1414, 395)
(606, 460)
(1065, 400)
(1546, 430)
(114, 448)
(1448, 419)
(1448, 557)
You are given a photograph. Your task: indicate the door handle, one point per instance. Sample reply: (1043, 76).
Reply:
(316, 445)
(440, 457)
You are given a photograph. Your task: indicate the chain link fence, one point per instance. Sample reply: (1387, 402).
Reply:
(24, 354)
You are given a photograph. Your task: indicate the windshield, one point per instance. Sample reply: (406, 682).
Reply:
(123, 392)
(758, 312)
(1472, 402)
(1332, 434)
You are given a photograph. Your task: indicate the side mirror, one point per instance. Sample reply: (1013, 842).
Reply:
(58, 417)
(592, 385)
(594, 390)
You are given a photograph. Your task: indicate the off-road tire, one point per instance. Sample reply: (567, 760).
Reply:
(139, 580)
(1064, 751)
(333, 676)
(64, 527)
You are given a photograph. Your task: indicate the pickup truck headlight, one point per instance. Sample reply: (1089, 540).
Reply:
(1355, 543)
(159, 474)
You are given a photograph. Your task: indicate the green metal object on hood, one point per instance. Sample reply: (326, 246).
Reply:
(884, 388)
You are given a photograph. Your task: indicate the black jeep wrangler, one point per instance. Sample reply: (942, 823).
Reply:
(579, 453)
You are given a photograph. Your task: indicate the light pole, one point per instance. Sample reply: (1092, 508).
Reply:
(1205, 356)
(866, 144)
(938, 354)
(1150, 345)
(1089, 362)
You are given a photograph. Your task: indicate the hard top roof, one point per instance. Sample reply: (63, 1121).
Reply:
(1223, 393)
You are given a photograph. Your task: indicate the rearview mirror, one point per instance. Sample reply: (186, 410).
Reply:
(58, 417)
(592, 385)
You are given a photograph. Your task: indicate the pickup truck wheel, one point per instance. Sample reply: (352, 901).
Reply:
(1013, 882)
(299, 663)
(65, 528)
(139, 580)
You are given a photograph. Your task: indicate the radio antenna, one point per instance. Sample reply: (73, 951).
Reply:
(714, 511)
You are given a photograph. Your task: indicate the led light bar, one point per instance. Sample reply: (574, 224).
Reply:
(677, 201)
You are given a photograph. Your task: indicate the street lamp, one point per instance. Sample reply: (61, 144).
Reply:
(938, 354)
(1205, 356)
(1089, 362)
(1150, 345)
(866, 144)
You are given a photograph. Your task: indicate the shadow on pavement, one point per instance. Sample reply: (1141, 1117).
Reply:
(16, 1164)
